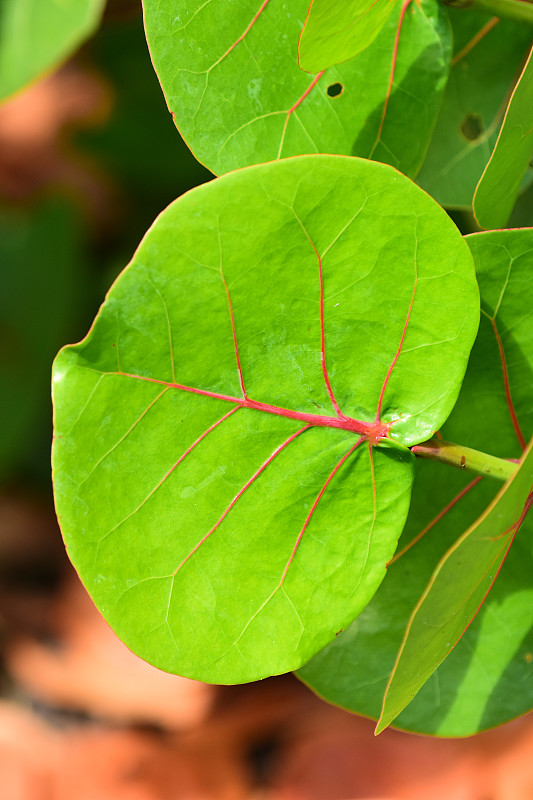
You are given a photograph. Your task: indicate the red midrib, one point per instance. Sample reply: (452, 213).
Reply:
(370, 429)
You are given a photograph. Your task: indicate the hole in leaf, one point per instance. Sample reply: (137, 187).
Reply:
(472, 127)
(335, 89)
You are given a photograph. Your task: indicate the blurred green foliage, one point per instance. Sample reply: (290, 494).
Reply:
(56, 259)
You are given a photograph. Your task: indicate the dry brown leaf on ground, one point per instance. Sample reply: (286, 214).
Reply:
(29, 752)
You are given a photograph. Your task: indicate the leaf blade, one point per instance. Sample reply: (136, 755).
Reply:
(499, 184)
(240, 101)
(333, 35)
(202, 404)
(484, 548)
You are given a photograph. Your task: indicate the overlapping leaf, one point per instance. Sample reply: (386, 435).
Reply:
(228, 518)
(456, 591)
(35, 35)
(487, 62)
(498, 188)
(334, 33)
(476, 686)
(238, 96)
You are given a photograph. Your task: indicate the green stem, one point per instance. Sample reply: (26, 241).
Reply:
(465, 458)
(521, 10)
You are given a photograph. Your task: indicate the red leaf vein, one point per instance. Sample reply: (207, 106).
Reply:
(507, 386)
(343, 423)
(404, 8)
(241, 37)
(402, 338)
(436, 519)
(322, 328)
(171, 470)
(315, 505)
(240, 493)
(232, 318)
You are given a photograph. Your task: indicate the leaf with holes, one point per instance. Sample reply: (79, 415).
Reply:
(36, 35)
(475, 687)
(335, 33)
(254, 377)
(498, 188)
(487, 62)
(238, 96)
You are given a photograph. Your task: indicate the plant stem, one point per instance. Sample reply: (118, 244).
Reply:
(465, 458)
(521, 10)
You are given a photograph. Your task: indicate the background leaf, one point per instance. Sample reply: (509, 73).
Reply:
(476, 686)
(238, 96)
(203, 478)
(36, 35)
(456, 591)
(499, 185)
(487, 61)
(333, 34)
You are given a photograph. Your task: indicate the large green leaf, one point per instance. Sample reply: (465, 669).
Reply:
(36, 35)
(487, 62)
(337, 32)
(475, 687)
(232, 82)
(499, 185)
(227, 518)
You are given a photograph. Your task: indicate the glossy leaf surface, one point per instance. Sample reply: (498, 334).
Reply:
(476, 686)
(498, 188)
(334, 33)
(227, 518)
(487, 62)
(232, 82)
(36, 35)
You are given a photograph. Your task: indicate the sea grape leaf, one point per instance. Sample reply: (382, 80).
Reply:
(487, 62)
(36, 35)
(456, 591)
(335, 33)
(475, 687)
(238, 96)
(227, 519)
(499, 185)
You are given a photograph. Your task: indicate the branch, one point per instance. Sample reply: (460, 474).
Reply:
(465, 458)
